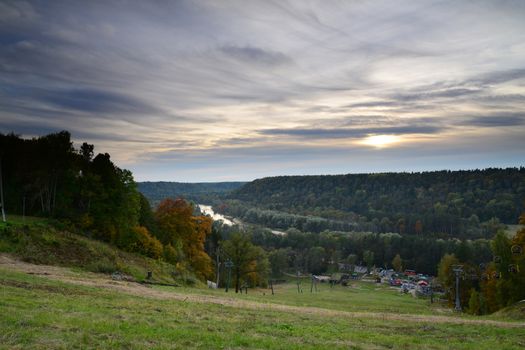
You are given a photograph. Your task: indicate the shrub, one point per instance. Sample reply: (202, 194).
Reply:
(173, 255)
(139, 240)
(474, 303)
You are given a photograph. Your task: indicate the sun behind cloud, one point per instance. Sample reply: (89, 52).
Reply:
(381, 141)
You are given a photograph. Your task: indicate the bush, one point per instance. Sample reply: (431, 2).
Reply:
(102, 266)
(173, 255)
(139, 240)
(474, 303)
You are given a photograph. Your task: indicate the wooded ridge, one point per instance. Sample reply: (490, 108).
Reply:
(455, 203)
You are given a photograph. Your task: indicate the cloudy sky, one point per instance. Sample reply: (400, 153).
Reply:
(237, 90)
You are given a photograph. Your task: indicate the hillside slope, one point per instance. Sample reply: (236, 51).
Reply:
(48, 307)
(38, 242)
(442, 201)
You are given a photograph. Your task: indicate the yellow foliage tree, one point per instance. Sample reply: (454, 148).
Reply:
(250, 263)
(147, 244)
(177, 225)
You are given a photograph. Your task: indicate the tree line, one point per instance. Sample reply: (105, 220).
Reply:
(496, 283)
(463, 204)
(327, 251)
(204, 192)
(87, 193)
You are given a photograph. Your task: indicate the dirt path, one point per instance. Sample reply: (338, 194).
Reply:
(103, 281)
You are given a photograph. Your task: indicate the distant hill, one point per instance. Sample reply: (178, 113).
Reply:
(452, 202)
(198, 191)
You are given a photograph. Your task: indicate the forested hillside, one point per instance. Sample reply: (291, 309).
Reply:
(79, 192)
(201, 192)
(456, 203)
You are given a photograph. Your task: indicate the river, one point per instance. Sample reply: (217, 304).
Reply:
(208, 210)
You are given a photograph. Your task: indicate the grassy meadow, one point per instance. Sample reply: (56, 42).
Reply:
(49, 312)
(56, 292)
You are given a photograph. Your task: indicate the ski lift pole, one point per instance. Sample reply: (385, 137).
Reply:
(458, 270)
(228, 264)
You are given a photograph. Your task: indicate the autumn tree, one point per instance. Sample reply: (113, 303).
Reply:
(139, 240)
(446, 275)
(518, 263)
(397, 263)
(475, 303)
(250, 263)
(418, 227)
(174, 220)
(509, 266)
(488, 286)
(178, 227)
(194, 246)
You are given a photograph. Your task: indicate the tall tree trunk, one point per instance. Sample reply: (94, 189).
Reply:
(48, 202)
(54, 194)
(42, 202)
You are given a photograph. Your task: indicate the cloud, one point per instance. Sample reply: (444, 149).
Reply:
(433, 95)
(353, 133)
(99, 101)
(499, 76)
(255, 55)
(373, 104)
(12, 12)
(496, 120)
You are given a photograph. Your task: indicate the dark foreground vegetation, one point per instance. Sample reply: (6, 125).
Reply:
(86, 193)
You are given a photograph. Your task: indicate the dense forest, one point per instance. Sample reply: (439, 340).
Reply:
(86, 193)
(327, 251)
(200, 192)
(462, 204)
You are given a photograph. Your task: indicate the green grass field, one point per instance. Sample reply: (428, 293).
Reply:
(52, 312)
(53, 296)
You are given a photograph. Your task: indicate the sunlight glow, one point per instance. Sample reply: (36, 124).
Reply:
(381, 141)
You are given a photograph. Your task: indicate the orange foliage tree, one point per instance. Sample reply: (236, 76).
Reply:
(177, 225)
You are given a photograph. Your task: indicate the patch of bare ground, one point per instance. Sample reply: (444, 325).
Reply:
(103, 281)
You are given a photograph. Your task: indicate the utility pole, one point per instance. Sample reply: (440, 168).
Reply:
(2, 191)
(228, 264)
(313, 285)
(298, 283)
(458, 270)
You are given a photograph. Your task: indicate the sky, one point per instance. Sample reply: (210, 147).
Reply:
(199, 91)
